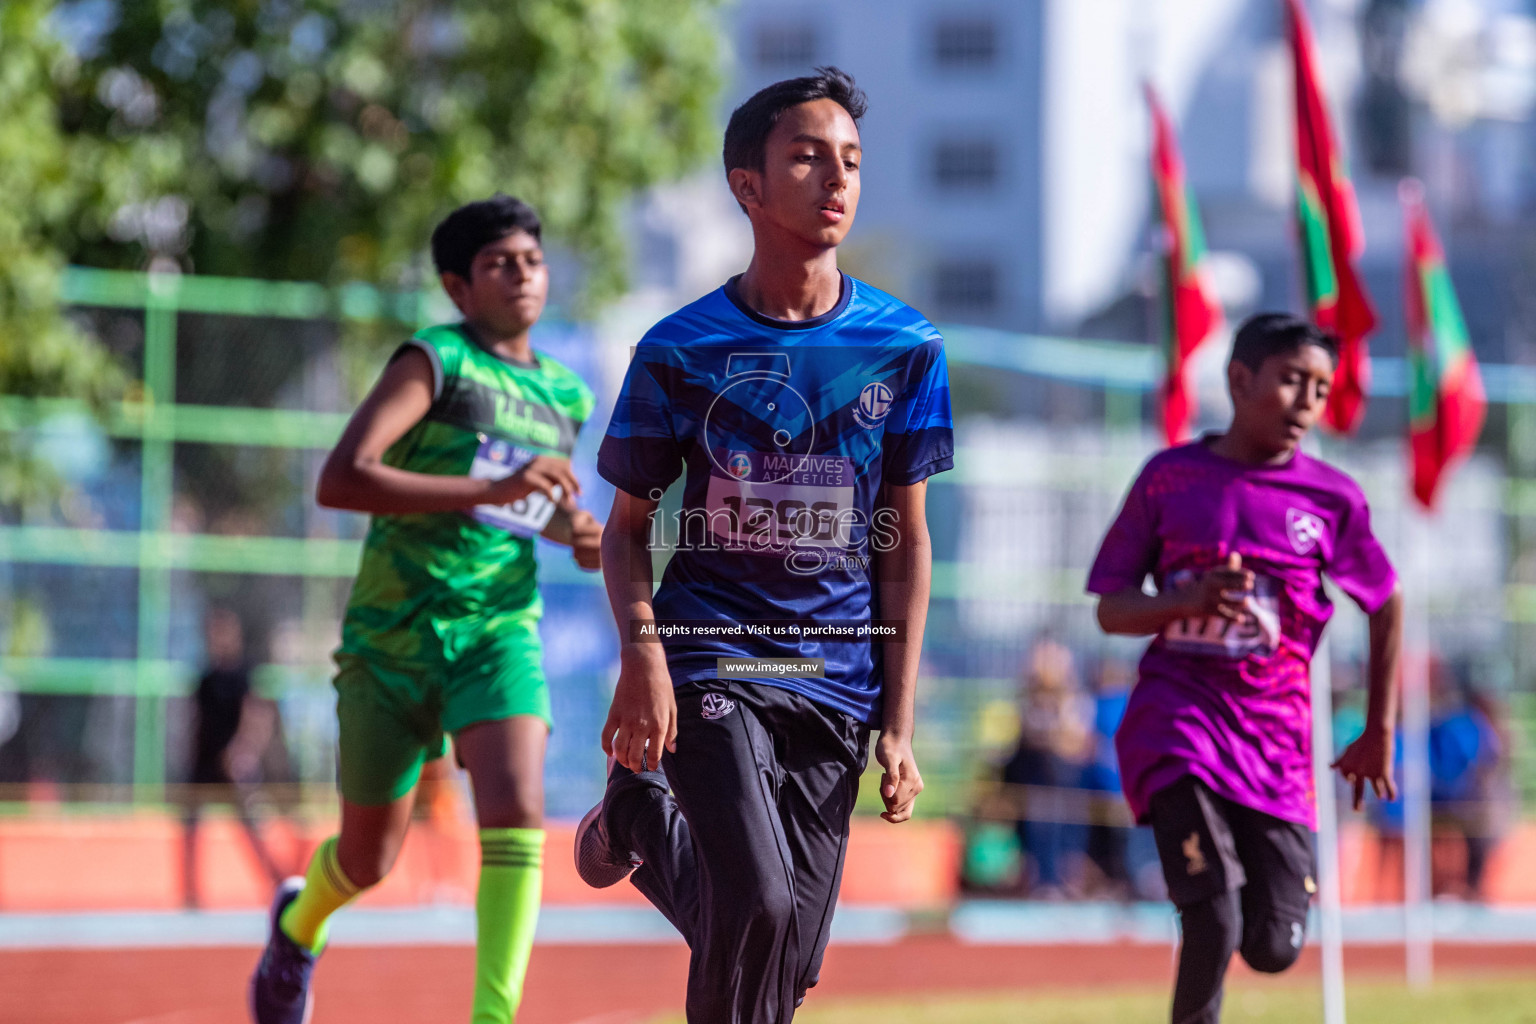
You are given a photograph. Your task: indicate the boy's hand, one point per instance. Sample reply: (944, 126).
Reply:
(543, 473)
(586, 540)
(901, 782)
(1221, 592)
(643, 716)
(1369, 759)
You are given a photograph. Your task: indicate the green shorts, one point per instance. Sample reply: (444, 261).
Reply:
(394, 717)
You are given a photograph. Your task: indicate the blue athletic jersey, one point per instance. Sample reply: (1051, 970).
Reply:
(786, 431)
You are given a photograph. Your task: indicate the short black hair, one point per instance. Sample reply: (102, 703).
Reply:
(1271, 334)
(473, 226)
(751, 122)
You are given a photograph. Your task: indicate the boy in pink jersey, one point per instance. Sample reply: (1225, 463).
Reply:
(1237, 531)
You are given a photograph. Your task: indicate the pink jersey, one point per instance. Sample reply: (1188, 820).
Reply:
(1231, 704)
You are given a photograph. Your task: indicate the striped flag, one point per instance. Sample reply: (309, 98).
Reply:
(1445, 390)
(1331, 236)
(1191, 311)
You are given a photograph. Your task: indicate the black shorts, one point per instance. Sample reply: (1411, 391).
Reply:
(1210, 845)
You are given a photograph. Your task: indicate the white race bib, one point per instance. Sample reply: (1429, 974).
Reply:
(497, 460)
(1215, 636)
(771, 504)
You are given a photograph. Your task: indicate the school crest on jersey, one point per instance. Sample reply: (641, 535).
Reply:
(1304, 529)
(874, 405)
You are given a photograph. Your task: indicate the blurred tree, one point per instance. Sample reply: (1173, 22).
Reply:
(46, 179)
(317, 140)
(322, 139)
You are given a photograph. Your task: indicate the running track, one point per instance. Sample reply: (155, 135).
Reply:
(582, 984)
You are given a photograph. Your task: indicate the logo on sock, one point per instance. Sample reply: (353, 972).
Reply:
(716, 706)
(1197, 864)
(1298, 935)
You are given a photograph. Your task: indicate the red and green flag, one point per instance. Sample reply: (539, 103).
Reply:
(1331, 237)
(1191, 311)
(1446, 403)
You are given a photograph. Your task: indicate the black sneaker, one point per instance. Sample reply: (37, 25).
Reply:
(597, 862)
(279, 992)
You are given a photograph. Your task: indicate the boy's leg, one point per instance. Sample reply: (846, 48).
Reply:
(344, 865)
(1203, 872)
(642, 817)
(384, 738)
(505, 760)
(726, 780)
(823, 753)
(1281, 865)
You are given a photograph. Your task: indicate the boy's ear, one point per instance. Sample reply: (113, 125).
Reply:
(746, 186)
(457, 288)
(1239, 378)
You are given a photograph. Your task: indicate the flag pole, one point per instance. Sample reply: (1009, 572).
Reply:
(1330, 888)
(1418, 906)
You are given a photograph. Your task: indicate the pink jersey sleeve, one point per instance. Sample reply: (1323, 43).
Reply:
(1131, 546)
(1359, 565)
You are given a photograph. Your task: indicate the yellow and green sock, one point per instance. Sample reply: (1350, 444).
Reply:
(326, 890)
(506, 911)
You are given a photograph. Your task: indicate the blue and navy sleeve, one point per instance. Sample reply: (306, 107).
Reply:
(640, 454)
(919, 432)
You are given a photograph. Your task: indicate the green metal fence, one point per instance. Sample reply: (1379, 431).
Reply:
(158, 423)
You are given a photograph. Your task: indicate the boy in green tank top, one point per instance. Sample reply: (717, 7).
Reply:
(461, 454)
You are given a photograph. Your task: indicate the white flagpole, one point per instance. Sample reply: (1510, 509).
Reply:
(1330, 889)
(1418, 907)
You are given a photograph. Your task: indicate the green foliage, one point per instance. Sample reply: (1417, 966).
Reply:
(316, 140)
(45, 178)
(322, 139)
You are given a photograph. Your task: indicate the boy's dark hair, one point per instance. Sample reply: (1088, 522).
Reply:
(473, 226)
(1271, 334)
(751, 122)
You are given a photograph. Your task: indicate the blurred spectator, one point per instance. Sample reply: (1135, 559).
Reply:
(232, 732)
(1055, 746)
(1123, 855)
(1472, 800)
(1470, 786)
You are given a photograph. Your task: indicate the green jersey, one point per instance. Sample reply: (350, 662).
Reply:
(443, 587)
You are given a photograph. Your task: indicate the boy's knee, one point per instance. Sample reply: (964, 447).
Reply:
(509, 802)
(366, 867)
(1271, 944)
(774, 907)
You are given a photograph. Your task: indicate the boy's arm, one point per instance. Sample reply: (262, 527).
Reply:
(905, 573)
(1369, 758)
(1218, 592)
(578, 530)
(355, 476)
(643, 715)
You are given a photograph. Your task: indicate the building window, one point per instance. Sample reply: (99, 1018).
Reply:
(965, 43)
(965, 163)
(966, 286)
(785, 46)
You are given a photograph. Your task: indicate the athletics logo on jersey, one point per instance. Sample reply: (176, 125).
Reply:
(1304, 529)
(738, 465)
(873, 406)
(717, 707)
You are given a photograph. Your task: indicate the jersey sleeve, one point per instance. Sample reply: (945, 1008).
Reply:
(1131, 547)
(444, 355)
(1358, 563)
(919, 431)
(640, 454)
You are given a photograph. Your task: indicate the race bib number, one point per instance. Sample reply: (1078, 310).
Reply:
(497, 460)
(1217, 637)
(771, 504)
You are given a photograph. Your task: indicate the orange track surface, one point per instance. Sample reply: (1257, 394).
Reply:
(585, 984)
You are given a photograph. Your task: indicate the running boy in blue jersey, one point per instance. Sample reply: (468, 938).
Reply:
(805, 411)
